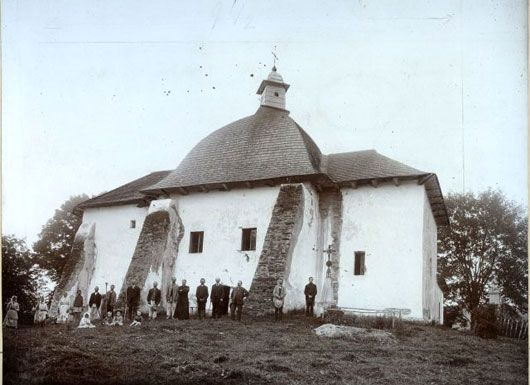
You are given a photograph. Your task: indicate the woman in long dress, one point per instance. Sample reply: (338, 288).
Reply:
(41, 312)
(11, 319)
(183, 304)
(64, 307)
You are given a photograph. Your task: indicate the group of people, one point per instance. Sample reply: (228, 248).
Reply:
(177, 302)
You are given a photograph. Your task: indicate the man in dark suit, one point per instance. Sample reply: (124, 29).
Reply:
(133, 299)
(217, 298)
(239, 293)
(111, 299)
(153, 300)
(94, 303)
(310, 292)
(202, 298)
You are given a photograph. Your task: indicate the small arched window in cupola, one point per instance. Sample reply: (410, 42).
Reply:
(276, 94)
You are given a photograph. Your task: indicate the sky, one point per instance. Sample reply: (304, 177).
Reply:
(98, 93)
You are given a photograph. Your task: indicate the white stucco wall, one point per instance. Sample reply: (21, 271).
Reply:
(386, 223)
(222, 215)
(305, 253)
(431, 292)
(115, 242)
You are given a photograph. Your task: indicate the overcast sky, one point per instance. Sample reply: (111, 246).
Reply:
(98, 93)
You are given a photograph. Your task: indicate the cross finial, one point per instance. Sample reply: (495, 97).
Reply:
(274, 58)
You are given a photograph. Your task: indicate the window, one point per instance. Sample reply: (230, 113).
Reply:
(276, 94)
(248, 239)
(196, 239)
(359, 268)
(132, 224)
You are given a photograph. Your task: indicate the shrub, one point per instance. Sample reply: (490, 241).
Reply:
(484, 321)
(451, 315)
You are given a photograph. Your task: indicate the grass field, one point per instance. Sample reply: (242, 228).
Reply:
(255, 352)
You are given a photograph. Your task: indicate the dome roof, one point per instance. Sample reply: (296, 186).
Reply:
(266, 145)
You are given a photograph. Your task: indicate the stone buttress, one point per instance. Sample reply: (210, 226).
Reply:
(276, 254)
(79, 267)
(156, 250)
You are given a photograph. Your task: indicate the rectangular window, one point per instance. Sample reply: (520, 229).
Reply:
(196, 239)
(133, 224)
(359, 267)
(248, 239)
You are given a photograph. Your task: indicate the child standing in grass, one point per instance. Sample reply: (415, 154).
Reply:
(138, 319)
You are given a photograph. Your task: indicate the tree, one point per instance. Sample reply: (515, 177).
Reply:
(20, 276)
(486, 244)
(57, 237)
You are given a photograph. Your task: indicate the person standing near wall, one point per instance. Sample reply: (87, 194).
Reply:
(94, 303)
(64, 306)
(202, 298)
(171, 298)
(183, 303)
(310, 292)
(111, 299)
(11, 319)
(216, 298)
(77, 308)
(41, 312)
(278, 296)
(239, 293)
(133, 299)
(153, 300)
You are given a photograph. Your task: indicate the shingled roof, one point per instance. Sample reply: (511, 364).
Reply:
(127, 194)
(263, 146)
(269, 147)
(363, 167)
(368, 164)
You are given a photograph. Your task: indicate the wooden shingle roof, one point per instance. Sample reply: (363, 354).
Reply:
(127, 194)
(263, 146)
(270, 146)
(364, 167)
(368, 164)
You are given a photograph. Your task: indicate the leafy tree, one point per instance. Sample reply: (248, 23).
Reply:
(57, 237)
(485, 245)
(20, 276)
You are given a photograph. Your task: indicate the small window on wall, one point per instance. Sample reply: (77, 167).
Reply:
(196, 239)
(359, 266)
(248, 239)
(132, 225)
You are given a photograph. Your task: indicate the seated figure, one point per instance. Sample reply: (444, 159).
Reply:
(85, 322)
(118, 319)
(138, 319)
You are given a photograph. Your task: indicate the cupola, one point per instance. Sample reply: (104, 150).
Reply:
(272, 90)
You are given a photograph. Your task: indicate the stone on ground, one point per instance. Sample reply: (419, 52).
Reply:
(341, 331)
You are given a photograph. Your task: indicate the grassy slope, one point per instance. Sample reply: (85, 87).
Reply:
(255, 352)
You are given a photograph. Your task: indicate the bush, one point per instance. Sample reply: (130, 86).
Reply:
(451, 315)
(484, 321)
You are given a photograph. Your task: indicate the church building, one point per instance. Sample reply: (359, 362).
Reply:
(257, 200)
